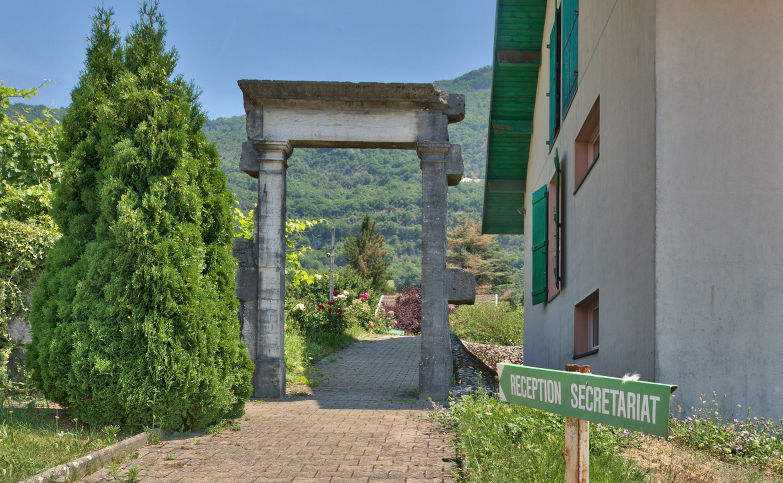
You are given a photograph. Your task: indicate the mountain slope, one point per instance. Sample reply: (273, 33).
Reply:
(340, 185)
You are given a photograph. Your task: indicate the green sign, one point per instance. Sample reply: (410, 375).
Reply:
(636, 405)
(396, 332)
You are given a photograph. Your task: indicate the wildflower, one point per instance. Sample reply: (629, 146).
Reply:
(395, 323)
(776, 452)
(372, 324)
(391, 312)
(364, 295)
(331, 302)
(463, 454)
(336, 292)
(61, 434)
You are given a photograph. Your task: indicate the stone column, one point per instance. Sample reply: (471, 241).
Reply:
(435, 368)
(269, 236)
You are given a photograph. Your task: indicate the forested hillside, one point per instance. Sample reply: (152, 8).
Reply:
(341, 185)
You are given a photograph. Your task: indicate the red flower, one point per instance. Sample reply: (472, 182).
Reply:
(340, 311)
(331, 302)
(320, 306)
(329, 309)
(336, 292)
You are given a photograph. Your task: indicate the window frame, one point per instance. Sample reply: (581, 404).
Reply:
(584, 145)
(586, 330)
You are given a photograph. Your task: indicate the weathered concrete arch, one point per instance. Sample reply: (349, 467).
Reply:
(283, 115)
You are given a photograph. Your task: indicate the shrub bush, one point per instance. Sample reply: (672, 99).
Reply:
(134, 318)
(488, 324)
(28, 169)
(407, 310)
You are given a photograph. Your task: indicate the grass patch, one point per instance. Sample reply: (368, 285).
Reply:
(34, 439)
(301, 351)
(752, 441)
(496, 441)
(488, 324)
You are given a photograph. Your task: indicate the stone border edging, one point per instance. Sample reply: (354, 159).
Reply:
(92, 462)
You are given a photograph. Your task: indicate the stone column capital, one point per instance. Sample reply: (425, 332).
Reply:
(254, 153)
(273, 150)
(432, 152)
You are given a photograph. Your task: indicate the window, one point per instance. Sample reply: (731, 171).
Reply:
(570, 52)
(554, 80)
(587, 145)
(554, 229)
(586, 326)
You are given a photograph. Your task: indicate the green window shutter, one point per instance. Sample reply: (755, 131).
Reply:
(556, 220)
(539, 245)
(554, 79)
(570, 52)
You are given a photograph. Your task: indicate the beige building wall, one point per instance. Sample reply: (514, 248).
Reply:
(608, 229)
(719, 238)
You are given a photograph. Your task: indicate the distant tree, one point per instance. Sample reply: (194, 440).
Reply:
(134, 319)
(366, 254)
(480, 255)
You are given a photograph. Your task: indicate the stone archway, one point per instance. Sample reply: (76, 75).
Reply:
(283, 115)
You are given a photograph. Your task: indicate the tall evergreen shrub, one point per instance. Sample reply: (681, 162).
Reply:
(134, 321)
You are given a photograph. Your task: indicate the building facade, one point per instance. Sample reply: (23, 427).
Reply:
(651, 190)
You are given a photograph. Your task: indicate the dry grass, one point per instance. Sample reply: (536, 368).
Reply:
(671, 463)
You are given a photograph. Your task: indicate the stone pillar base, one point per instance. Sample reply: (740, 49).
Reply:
(269, 377)
(435, 375)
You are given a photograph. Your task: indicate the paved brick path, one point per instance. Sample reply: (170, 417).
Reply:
(362, 423)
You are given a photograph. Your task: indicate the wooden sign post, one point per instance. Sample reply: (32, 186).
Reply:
(577, 441)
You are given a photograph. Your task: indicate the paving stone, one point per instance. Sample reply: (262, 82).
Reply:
(362, 423)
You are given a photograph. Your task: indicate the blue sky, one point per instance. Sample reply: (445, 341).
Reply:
(220, 42)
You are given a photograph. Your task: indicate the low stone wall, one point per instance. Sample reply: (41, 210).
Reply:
(20, 332)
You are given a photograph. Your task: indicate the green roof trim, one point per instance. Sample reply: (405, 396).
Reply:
(519, 28)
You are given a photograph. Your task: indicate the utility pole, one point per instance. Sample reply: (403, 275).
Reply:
(331, 269)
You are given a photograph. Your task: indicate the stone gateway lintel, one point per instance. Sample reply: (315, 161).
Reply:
(345, 114)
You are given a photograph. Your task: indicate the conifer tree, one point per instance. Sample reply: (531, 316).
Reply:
(480, 255)
(150, 329)
(75, 210)
(366, 255)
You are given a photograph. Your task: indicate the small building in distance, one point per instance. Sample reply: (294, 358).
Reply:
(638, 147)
